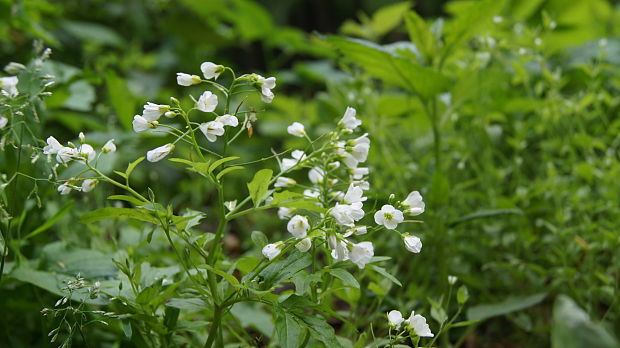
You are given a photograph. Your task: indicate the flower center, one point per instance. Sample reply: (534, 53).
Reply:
(387, 216)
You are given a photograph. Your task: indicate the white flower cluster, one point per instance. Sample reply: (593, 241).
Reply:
(416, 324)
(338, 185)
(83, 153)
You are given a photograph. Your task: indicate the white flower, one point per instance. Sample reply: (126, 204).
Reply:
(289, 163)
(266, 85)
(109, 146)
(363, 184)
(358, 173)
(389, 217)
(333, 165)
(141, 124)
(357, 230)
(354, 195)
(9, 86)
(452, 279)
(53, 146)
(82, 137)
(157, 154)
(347, 214)
(298, 226)
(316, 175)
(360, 147)
(304, 245)
(3, 121)
(284, 182)
(414, 203)
(361, 253)
(272, 250)
(348, 120)
(89, 185)
(311, 193)
(86, 151)
(152, 112)
(285, 212)
(14, 68)
(349, 160)
(341, 251)
(207, 102)
(297, 129)
(228, 120)
(413, 244)
(230, 205)
(212, 130)
(395, 318)
(211, 70)
(64, 189)
(419, 325)
(184, 79)
(65, 154)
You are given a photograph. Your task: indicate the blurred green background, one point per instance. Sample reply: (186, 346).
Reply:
(505, 119)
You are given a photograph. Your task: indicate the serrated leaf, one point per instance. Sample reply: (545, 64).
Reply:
(259, 185)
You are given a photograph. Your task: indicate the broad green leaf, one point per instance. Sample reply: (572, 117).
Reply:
(259, 185)
(221, 161)
(289, 331)
(197, 167)
(295, 200)
(320, 330)
(91, 264)
(125, 198)
(462, 295)
(421, 35)
(259, 239)
(346, 277)
(49, 223)
(385, 273)
(511, 304)
(284, 269)
(229, 277)
(388, 17)
(121, 98)
(485, 213)
(131, 166)
(573, 328)
(188, 304)
(227, 170)
(113, 213)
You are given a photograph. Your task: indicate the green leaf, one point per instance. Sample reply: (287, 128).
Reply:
(388, 17)
(303, 281)
(484, 214)
(572, 328)
(49, 223)
(295, 200)
(227, 170)
(121, 98)
(259, 239)
(462, 295)
(511, 304)
(259, 185)
(289, 330)
(421, 35)
(125, 198)
(284, 268)
(320, 330)
(385, 273)
(197, 167)
(131, 166)
(113, 213)
(346, 277)
(221, 161)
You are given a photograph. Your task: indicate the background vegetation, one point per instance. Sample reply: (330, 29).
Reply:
(503, 114)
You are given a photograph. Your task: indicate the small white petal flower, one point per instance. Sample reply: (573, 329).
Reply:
(389, 217)
(297, 129)
(64, 189)
(285, 213)
(212, 130)
(360, 147)
(66, 154)
(266, 85)
(228, 120)
(211, 70)
(395, 318)
(53, 146)
(356, 230)
(152, 112)
(270, 251)
(207, 102)
(86, 151)
(311, 193)
(82, 137)
(298, 226)
(3, 121)
(354, 195)
(452, 279)
(347, 214)
(9, 86)
(348, 120)
(419, 325)
(184, 79)
(284, 182)
(89, 185)
(359, 173)
(159, 153)
(289, 163)
(413, 244)
(361, 253)
(341, 251)
(414, 203)
(109, 146)
(230, 205)
(304, 245)
(14, 68)
(316, 175)
(363, 184)
(141, 124)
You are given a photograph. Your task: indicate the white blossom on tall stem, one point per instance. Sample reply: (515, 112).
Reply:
(340, 251)
(3, 121)
(52, 147)
(285, 213)
(211, 70)
(347, 214)
(159, 153)
(266, 85)
(395, 318)
(413, 243)
(87, 152)
(296, 129)
(354, 195)
(418, 324)
(64, 189)
(228, 120)
(65, 154)
(212, 130)
(152, 112)
(304, 245)
(109, 146)
(289, 163)
(389, 217)
(414, 204)
(89, 185)
(9, 86)
(141, 124)
(284, 182)
(348, 120)
(361, 253)
(207, 102)
(316, 175)
(298, 226)
(270, 251)
(184, 79)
